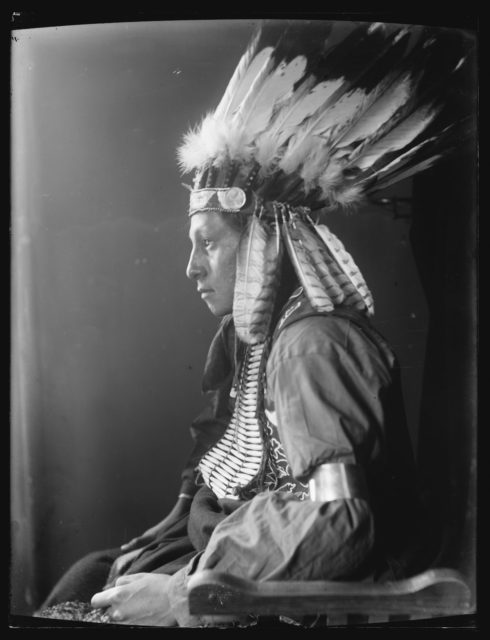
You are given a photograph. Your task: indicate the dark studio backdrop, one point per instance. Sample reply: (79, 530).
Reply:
(109, 337)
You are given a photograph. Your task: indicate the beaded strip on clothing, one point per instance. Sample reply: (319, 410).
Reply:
(273, 472)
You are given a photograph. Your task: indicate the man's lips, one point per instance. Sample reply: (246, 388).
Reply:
(204, 291)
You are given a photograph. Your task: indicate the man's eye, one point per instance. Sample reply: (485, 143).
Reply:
(207, 243)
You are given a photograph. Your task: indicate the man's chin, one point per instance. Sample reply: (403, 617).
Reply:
(217, 311)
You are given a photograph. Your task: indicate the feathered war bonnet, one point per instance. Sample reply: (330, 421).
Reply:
(315, 118)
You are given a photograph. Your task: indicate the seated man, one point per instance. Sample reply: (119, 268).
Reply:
(303, 467)
(312, 477)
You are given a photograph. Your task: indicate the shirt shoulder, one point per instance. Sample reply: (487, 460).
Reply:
(337, 336)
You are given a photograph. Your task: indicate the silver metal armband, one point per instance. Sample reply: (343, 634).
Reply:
(337, 481)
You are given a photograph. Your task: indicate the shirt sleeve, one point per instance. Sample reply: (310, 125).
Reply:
(327, 385)
(275, 536)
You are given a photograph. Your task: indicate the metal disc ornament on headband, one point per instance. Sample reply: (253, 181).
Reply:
(230, 199)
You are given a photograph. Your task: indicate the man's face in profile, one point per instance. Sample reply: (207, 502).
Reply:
(212, 263)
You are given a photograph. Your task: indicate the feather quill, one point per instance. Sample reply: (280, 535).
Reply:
(399, 137)
(395, 164)
(347, 264)
(424, 87)
(306, 103)
(238, 83)
(320, 261)
(258, 272)
(338, 285)
(342, 108)
(306, 272)
(393, 178)
(380, 111)
(257, 108)
(286, 118)
(422, 156)
(395, 97)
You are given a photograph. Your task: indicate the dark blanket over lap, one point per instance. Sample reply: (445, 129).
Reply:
(189, 535)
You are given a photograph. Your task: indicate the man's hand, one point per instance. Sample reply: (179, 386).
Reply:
(180, 508)
(140, 599)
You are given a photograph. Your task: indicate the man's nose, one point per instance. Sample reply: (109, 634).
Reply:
(194, 267)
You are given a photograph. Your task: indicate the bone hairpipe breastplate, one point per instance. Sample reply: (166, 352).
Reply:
(236, 459)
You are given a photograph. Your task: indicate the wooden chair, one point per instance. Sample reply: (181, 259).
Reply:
(433, 593)
(443, 238)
